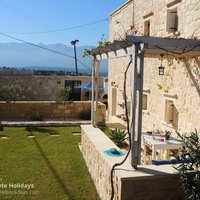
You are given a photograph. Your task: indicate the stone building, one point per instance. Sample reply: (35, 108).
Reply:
(170, 101)
(45, 88)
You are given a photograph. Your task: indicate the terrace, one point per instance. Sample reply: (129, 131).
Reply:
(129, 177)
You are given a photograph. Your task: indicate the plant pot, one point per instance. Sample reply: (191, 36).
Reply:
(166, 140)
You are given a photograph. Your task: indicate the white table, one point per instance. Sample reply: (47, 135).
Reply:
(160, 145)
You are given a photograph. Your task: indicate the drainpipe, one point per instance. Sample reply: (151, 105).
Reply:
(133, 17)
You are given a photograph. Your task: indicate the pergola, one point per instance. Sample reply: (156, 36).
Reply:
(136, 48)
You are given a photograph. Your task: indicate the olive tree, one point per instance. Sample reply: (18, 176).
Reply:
(63, 98)
(189, 170)
(10, 94)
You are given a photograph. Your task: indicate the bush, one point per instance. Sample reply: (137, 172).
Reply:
(36, 116)
(118, 137)
(28, 128)
(190, 171)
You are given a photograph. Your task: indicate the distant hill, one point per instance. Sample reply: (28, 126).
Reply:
(21, 55)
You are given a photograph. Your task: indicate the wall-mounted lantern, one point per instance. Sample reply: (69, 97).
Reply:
(161, 68)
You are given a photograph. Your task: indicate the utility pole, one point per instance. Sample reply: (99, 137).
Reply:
(74, 44)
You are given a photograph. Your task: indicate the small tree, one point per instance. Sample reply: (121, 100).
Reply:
(63, 98)
(10, 94)
(190, 170)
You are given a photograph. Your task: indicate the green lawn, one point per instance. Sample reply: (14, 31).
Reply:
(53, 165)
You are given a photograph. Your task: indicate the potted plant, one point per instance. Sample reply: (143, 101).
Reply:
(167, 135)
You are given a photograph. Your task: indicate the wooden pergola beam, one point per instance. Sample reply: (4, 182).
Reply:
(153, 47)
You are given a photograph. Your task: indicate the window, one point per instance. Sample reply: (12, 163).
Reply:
(172, 20)
(147, 23)
(147, 28)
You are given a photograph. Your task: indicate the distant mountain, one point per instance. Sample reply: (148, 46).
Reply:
(21, 55)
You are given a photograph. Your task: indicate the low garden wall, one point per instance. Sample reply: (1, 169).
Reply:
(25, 110)
(148, 182)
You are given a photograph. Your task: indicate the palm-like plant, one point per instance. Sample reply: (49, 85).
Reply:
(118, 137)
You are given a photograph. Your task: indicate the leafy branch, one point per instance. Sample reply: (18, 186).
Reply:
(190, 171)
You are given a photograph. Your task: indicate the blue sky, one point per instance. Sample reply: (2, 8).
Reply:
(25, 16)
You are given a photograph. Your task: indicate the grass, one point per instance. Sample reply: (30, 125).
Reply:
(54, 165)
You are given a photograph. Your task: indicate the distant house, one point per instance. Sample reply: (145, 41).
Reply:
(45, 88)
(170, 101)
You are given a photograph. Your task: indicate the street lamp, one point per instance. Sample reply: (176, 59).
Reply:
(74, 44)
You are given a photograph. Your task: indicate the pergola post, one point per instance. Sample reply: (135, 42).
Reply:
(95, 78)
(136, 105)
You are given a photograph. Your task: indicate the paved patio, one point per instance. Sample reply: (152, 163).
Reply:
(68, 122)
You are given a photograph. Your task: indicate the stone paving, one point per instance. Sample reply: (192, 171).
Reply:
(68, 122)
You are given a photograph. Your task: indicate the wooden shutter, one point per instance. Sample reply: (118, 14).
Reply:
(144, 103)
(169, 106)
(172, 20)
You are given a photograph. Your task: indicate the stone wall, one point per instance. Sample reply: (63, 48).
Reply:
(97, 164)
(181, 79)
(148, 182)
(49, 109)
(44, 88)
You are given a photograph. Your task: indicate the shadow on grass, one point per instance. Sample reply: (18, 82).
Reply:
(42, 130)
(53, 171)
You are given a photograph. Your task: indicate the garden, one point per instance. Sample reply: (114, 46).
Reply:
(43, 163)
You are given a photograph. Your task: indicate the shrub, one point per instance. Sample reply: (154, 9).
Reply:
(36, 116)
(190, 171)
(10, 93)
(118, 137)
(28, 128)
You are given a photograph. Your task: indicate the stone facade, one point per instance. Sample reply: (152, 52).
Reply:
(180, 86)
(49, 110)
(44, 88)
